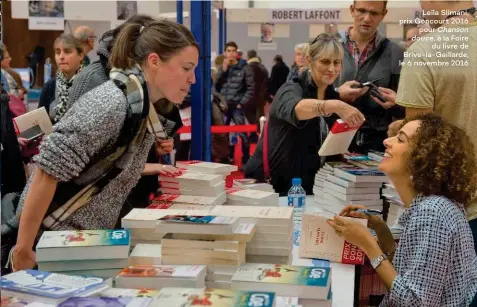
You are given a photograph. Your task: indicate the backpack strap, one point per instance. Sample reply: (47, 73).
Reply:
(363, 75)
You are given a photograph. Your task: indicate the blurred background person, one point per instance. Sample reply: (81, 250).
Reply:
(12, 80)
(411, 34)
(87, 38)
(253, 108)
(55, 93)
(278, 76)
(299, 61)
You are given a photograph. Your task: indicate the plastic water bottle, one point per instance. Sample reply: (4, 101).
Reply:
(297, 200)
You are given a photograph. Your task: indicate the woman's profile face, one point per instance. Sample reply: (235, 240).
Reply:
(173, 78)
(326, 70)
(395, 161)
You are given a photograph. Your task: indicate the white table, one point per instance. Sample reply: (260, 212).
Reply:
(342, 275)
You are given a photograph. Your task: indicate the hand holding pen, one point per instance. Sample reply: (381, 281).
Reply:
(358, 211)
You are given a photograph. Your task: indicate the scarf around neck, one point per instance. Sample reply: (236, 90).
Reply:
(63, 86)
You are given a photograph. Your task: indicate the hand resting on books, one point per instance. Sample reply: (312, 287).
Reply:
(376, 223)
(353, 232)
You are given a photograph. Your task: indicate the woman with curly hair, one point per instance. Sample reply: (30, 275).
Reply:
(433, 167)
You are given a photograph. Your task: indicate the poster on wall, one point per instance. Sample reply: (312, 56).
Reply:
(46, 15)
(126, 9)
(266, 37)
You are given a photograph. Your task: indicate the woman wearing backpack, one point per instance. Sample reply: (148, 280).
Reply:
(96, 153)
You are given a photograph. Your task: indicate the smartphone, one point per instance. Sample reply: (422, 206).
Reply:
(32, 134)
(369, 83)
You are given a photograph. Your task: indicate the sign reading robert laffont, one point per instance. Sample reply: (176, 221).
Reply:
(315, 16)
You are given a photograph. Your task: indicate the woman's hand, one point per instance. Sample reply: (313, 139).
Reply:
(165, 169)
(352, 116)
(349, 91)
(353, 232)
(388, 94)
(374, 221)
(23, 258)
(164, 147)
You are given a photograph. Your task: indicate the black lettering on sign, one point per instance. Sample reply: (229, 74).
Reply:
(274, 14)
(295, 14)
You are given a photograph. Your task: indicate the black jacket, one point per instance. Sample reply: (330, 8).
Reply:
(47, 94)
(12, 172)
(235, 84)
(278, 77)
(253, 108)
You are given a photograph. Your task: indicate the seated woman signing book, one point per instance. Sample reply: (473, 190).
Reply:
(432, 165)
(296, 125)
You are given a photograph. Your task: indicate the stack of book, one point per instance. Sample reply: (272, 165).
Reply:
(362, 161)
(193, 188)
(251, 184)
(107, 301)
(351, 186)
(247, 197)
(207, 167)
(309, 283)
(145, 254)
(319, 240)
(273, 239)
(32, 286)
(218, 242)
(100, 253)
(141, 223)
(180, 297)
(160, 276)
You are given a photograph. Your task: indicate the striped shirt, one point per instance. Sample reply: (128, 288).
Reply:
(435, 259)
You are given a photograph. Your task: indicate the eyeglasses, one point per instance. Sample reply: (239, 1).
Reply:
(362, 12)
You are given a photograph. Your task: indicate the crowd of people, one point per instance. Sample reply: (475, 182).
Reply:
(115, 122)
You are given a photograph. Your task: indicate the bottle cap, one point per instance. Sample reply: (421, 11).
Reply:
(296, 181)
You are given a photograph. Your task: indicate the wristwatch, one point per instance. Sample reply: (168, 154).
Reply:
(376, 261)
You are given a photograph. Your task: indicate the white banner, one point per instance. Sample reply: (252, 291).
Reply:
(186, 116)
(297, 15)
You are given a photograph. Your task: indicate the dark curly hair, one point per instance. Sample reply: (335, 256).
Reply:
(442, 160)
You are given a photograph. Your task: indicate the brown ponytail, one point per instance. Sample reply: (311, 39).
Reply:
(166, 38)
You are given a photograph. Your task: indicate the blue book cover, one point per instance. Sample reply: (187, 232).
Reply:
(78, 238)
(50, 285)
(361, 172)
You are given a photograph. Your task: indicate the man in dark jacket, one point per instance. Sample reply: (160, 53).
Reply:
(370, 56)
(235, 84)
(278, 76)
(254, 107)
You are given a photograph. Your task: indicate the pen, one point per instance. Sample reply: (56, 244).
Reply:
(370, 211)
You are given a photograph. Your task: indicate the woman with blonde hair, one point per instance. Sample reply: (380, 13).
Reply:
(299, 62)
(296, 126)
(96, 153)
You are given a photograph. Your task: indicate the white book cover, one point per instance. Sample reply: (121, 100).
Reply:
(206, 167)
(338, 140)
(38, 117)
(193, 178)
(177, 206)
(272, 216)
(200, 224)
(123, 292)
(353, 197)
(319, 240)
(349, 184)
(361, 175)
(218, 187)
(163, 271)
(145, 254)
(343, 190)
(195, 200)
(147, 218)
(251, 196)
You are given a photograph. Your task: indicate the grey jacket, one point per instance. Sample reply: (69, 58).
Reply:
(96, 74)
(89, 129)
(387, 68)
